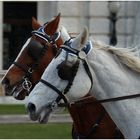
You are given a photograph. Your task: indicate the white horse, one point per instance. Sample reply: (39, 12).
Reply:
(107, 71)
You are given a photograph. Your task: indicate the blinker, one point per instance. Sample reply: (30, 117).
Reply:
(65, 70)
(35, 49)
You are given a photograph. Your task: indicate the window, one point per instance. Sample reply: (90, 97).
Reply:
(16, 28)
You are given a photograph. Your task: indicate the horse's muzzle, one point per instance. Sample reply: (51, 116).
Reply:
(7, 89)
(31, 109)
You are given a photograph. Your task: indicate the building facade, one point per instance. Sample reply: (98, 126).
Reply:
(15, 22)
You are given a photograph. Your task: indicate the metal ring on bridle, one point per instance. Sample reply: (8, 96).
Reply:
(30, 70)
(26, 84)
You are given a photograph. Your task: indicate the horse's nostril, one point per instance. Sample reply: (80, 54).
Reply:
(31, 108)
(5, 81)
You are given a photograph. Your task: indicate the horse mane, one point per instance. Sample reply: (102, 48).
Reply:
(127, 56)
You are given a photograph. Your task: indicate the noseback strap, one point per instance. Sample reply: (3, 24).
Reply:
(55, 89)
(23, 67)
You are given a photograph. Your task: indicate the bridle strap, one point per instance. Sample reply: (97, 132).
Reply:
(56, 90)
(86, 101)
(86, 66)
(22, 67)
(118, 98)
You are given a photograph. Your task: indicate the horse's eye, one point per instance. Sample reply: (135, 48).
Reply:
(65, 71)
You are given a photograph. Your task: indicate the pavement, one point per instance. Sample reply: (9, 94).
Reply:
(61, 118)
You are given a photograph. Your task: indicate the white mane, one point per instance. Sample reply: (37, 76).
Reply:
(125, 55)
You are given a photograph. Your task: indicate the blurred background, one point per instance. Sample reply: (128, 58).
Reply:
(112, 22)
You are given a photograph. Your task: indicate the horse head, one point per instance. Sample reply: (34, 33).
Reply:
(34, 56)
(67, 77)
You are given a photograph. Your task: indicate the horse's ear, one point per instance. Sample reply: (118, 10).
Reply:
(52, 26)
(84, 36)
(35, 24)
(81, 40)
(64, 33)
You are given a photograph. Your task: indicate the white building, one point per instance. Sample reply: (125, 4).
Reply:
(74, 15)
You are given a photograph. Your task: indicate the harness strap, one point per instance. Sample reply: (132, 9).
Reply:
(86, 66)
(119, 98)
(86, 101)
(23, 67)
(55, 89)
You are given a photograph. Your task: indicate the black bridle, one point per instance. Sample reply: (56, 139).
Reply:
(61, 94)
(27, 78)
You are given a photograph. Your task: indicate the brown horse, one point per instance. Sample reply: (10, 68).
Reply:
(35, 55)
(28, 68)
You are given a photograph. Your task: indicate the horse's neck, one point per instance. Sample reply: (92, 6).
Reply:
(110, 72)
(113, 79)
